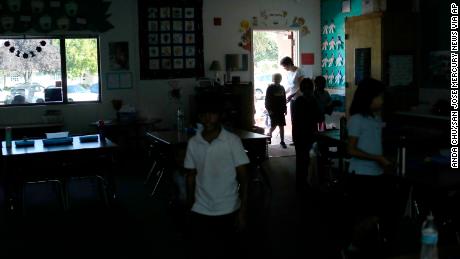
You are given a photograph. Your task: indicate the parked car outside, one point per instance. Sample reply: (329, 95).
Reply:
(77, 93)
(32, 93)
(94, 88)
(3, 95)
(261, 83)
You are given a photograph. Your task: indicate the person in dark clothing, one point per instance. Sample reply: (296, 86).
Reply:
(294, 77)
(304, 126)
(275, 103)
(323, 96)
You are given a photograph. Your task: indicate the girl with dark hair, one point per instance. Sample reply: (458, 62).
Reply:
(365, 129)
(368, 187)
(304, 126)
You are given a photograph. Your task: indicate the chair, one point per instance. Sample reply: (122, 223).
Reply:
(87, 193)
(42, 198)
(43, 223)
(3, 206)
(157, 169)
(259, 186)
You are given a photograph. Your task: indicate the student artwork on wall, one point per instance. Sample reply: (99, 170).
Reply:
(170, 39)
(119, 55)
(333, 16)
(270, 19)
(44, 16)
(119, 80)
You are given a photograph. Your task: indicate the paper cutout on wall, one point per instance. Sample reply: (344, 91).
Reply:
(274, 17)
(245, 27)
(339, 60)
(19, 16)
(346, 6)
(339, 42)
(271, 19)
(332, 44)
(299, 22)
(331, 60)
(324, 45)
(331, 27)
(308, 59)
(333, 40)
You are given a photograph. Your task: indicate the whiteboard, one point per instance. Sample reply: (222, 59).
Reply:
(401, 70)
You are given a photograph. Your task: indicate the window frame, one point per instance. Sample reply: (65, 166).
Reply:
(62, 51)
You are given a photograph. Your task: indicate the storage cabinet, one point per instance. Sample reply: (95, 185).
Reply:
(390, 37)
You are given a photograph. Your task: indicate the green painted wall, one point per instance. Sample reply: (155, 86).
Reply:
(331, 13)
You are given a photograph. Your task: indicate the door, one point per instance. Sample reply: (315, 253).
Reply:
(362, 32)
(269, 47)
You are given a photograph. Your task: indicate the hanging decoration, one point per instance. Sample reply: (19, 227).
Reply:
(299, 23)
(19, 16)
(270, 19)
(24, 53)
(245, 28)
(274, 18)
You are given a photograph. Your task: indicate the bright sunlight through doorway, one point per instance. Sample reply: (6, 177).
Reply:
(269, 47)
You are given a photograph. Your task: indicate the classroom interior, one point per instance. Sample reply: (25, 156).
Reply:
(94, 163)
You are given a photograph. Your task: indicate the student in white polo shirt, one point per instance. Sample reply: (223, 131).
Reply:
(216, 183)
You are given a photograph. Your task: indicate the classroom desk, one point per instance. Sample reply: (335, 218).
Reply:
(331, 138)
(31, 130)
(39, 148)
(127, 134)
(41, 161)
(171, 147)
(330, 135)
(256, 144)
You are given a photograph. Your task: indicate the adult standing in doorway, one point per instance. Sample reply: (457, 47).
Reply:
(294, 77)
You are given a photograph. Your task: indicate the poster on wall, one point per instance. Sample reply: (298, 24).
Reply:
(401, 70)
(333, 14)
(170, 39)
(362, 64)
(439, 69)
(118, 56)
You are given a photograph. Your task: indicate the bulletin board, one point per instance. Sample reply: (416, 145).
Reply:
(333, 56)
(400, 70)
(170, 39)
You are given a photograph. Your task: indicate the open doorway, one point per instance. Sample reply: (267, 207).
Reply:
(269, 47)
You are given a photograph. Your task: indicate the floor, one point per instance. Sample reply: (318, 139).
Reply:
(276, 150)
(283, 223)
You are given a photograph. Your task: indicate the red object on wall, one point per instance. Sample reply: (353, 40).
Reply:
(308, 59)
(217, 21)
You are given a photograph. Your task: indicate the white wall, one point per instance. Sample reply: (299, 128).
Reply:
(150, 97)
(221, 40)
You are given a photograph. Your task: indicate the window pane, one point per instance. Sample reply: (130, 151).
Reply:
(27, 68)
(82, 70)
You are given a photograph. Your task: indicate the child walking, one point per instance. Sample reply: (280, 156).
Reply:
(275, 103)
(216, 184)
